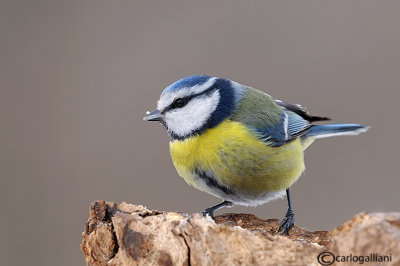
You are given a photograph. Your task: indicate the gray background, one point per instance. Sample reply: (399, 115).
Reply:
(77, 76)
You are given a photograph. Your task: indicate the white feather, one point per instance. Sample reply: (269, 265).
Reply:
(348, 133)
(285, 126)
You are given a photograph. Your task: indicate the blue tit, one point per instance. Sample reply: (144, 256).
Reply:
(238, 143)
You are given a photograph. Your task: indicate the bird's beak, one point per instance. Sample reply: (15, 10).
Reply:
(154, 115)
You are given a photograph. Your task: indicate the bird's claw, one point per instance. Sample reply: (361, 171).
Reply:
(208, 212)
(287, 222)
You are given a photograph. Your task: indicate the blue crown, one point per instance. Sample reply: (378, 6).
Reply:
(187, 82)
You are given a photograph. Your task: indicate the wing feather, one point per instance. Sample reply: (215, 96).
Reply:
(277, 122)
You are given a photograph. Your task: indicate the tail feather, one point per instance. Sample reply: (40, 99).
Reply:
(325, 131)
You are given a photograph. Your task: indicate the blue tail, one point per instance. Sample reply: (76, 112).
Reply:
(324, 131)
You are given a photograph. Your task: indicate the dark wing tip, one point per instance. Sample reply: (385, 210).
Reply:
(314, 118)
(301, 111)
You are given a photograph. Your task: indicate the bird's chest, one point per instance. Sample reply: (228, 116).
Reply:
(237, 159)
(198, 152)
(211, 149)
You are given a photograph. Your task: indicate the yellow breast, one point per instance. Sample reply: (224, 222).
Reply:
(239, 159)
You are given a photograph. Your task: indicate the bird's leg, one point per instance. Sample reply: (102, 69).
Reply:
(288, 220)
(210, 211)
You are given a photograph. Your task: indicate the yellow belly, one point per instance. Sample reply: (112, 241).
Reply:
(239, 160)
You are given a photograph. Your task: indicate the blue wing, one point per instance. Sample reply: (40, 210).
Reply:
(295, 121)
(290, 126)
(276, 122)
(297, 125)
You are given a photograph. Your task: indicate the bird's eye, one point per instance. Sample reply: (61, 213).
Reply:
(180, 102)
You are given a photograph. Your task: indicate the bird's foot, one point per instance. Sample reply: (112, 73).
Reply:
(208, 212)
(287, 222)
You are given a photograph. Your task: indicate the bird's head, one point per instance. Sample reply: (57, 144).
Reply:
(195, 103)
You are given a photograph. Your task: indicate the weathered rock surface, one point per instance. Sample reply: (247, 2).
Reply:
(125, 234)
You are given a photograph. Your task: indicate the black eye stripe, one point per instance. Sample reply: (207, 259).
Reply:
(188, 98)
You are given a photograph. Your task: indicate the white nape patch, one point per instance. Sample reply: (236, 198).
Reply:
(183, 121)
(285, 125)
(238, 89)
(166, 99)
(348, 133)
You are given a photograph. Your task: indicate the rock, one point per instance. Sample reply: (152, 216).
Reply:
(99, 243)
(369, 235)
(128, 234)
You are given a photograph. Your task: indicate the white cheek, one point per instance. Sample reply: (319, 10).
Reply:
(193, 116)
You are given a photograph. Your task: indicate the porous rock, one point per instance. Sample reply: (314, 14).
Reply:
(126, 234)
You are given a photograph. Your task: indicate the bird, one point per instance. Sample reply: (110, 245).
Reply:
(238, 143)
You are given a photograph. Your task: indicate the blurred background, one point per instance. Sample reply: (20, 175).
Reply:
(76, 78)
